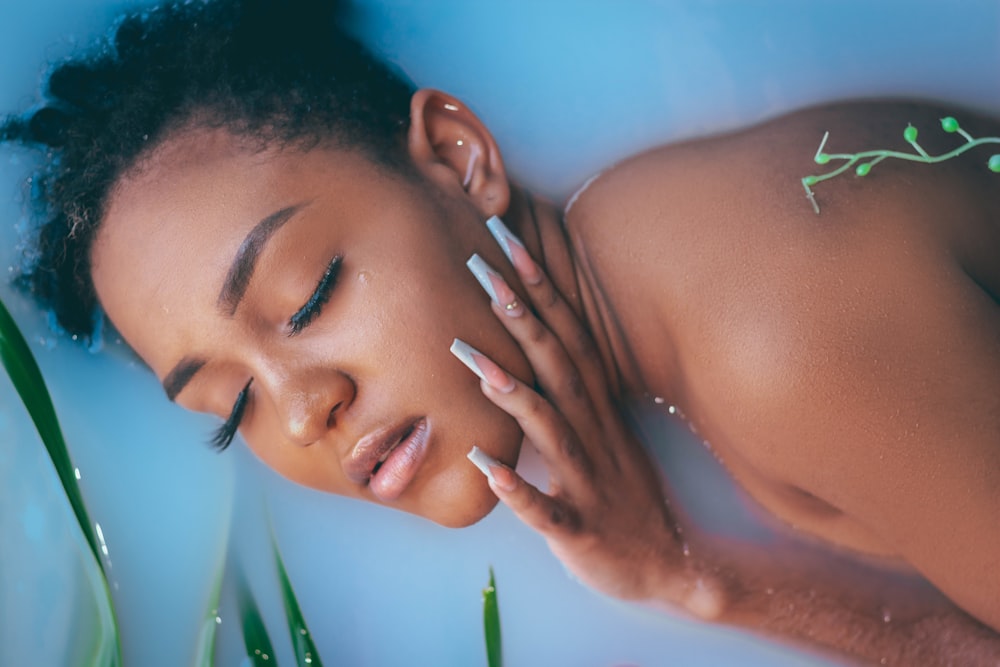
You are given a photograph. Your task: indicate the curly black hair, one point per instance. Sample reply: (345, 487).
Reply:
(273, 70)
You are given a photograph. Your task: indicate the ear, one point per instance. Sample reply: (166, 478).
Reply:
(452, 148)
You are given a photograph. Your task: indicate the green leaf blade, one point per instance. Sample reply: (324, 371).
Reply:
(28, 382)
(491, 624)
(26, 376)
(255, 638)
(302, 644)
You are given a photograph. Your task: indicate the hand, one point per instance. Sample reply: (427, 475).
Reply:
(604, 515)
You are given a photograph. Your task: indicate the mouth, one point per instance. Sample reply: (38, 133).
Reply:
(387, 460)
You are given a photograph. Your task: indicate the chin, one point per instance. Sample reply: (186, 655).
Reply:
(460, 505)
(469, 515)
(456, 497)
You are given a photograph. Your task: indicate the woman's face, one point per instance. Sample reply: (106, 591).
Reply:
(329, 289)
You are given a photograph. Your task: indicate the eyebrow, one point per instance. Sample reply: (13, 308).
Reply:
(181, 374)
(241, 270)
(233, 288)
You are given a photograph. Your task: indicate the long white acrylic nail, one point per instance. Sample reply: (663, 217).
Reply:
(483, 272)
(463, 352)
(503, 236)
(483, 461)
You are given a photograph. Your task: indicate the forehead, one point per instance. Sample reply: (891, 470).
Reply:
(174, 223)
(196, 168)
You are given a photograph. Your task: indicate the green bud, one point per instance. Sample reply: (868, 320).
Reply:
(822, 158)
(994, 163)
(949, 124)
(863, 169)
(811, 180)
(910, 133)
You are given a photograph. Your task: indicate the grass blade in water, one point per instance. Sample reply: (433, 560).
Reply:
(20, 364)
(491, 624)
(27, 378)
(204, 655)
(302, 643)
(255, 638)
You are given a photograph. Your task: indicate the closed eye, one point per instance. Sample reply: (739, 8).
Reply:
(224, 435)
(314, 306)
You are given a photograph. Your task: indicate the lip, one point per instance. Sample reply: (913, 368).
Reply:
(404, 445)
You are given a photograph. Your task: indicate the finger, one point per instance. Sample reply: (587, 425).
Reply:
(546, 514)
(541, 423)
(553, 309)
(556, 373)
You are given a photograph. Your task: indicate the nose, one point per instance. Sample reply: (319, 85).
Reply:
(309, 402)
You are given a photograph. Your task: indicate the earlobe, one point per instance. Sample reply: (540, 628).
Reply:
(452, 147)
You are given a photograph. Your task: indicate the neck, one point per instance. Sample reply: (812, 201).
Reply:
(619, 340)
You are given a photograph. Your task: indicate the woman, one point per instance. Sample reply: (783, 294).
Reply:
(278, 228)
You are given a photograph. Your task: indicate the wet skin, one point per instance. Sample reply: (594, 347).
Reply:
(374, 357)
(788, 339)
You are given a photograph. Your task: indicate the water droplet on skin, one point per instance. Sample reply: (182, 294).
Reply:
(886, 616)
(672, 409)
(687, 550)
(658, 400)
(363, 277)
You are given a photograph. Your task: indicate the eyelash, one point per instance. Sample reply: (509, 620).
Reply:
(313, 307)
(224, 435)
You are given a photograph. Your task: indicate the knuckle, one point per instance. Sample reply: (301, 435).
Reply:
(569, 447)
(538, 333)
(522, 502)
(583, 344)
(564, 518)
(575, 386)
(549, 297)
(534, 406)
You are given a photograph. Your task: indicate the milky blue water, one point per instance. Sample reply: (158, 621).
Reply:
(567, 87)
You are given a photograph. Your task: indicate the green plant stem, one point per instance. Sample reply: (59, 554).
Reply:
(899, 155)
(877, 156)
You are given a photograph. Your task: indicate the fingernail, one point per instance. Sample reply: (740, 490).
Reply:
(495, 472)
(504, 236)
(483, 461)
(500, 292)
(483, 366)
(515, 251)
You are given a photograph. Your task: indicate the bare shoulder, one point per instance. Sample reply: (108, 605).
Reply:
(733, 255)
(738, 263)
(750, 181)
(852, 355)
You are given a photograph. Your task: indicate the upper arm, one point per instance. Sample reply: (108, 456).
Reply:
(890, 412)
